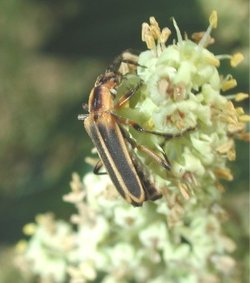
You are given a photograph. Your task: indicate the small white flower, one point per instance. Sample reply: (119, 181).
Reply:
(129, 217)
(48, 247)
(154, 236)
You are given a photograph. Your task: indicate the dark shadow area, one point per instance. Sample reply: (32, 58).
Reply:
(105, 28)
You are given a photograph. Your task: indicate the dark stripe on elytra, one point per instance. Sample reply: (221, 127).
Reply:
(149, 188)
(116, 151)
(97, 102)
(93, 132)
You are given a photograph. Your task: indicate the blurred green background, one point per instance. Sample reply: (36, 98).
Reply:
(50, 55)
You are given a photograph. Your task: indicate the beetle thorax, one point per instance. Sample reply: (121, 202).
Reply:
(100, 99)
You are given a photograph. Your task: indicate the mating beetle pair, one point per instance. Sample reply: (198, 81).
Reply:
(107, 132)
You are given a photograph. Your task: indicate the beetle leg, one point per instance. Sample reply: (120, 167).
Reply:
(123, 99)
(138, 128)
(128, 57)
(97, 168)
(128, 95)
(164, 162)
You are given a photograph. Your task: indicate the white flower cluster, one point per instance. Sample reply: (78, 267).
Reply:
(115, 242)
(177, 238)
(47, 250)
(182, 95)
